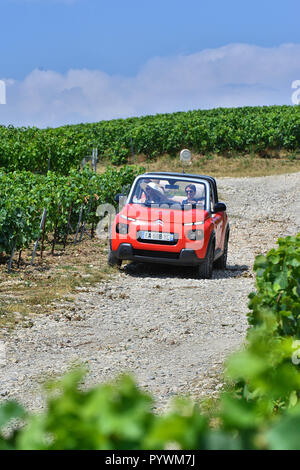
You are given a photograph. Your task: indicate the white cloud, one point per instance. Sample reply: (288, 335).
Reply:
(233, 75)
(68, 2)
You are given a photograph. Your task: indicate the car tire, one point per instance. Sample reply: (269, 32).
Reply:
(112, 260)
(205, 269)
(221, 262)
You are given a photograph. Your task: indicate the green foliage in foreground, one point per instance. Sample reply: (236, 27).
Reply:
(24, 196)
(259, 410)
(217, 130)
(278, 287)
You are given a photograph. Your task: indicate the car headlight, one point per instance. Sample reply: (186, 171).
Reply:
(195, 235)
(123, 229)
(127, 218)
(194, 223)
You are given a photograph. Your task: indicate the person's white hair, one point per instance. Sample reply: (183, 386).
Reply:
(155, 187)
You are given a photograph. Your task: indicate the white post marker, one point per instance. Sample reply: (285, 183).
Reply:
(2, 92)
(185, 157)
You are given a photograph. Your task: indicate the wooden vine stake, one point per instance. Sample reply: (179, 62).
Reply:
(131, 147)
(78, 224)
(56, 229)
(83, 228)
(49, 159)
(11, 257)
(19, 258)
(43, 239)
(95, 160)
(42, 228)
(68, 225)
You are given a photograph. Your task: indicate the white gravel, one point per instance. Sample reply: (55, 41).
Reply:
(171, 330)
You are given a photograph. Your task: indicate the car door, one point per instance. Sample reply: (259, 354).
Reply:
(217, 219)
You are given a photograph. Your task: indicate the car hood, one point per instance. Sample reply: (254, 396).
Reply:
(150, 214)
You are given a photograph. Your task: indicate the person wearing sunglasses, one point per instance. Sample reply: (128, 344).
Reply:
(190, 192)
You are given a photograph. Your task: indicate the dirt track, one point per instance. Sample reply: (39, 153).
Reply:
(170, 329)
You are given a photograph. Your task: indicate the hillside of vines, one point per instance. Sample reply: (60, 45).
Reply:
(245, 129)
(24, 197)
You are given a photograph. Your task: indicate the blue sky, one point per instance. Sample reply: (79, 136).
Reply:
(67, 61)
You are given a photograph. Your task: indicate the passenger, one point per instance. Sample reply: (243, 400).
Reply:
(190, 191)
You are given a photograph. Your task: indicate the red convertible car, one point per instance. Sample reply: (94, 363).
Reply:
(172, 218)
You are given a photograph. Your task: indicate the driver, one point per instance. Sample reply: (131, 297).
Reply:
(190, 191)
(154, 193)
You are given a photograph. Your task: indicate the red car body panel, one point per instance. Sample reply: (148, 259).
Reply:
(172, 220)
(185, 234)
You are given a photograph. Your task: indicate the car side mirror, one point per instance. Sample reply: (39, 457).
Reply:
(118, 196)
(124, 193)
(219, 207)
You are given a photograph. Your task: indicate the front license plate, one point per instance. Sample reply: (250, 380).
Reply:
(166, 237)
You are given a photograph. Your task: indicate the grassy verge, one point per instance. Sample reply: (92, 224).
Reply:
(229, 164)
(31, 290)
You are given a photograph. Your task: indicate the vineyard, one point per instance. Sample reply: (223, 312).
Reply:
(259, 409)
(256, 129)
(36, 202)
(33, 206)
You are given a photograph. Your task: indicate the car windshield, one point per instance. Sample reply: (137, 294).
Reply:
(169, 192)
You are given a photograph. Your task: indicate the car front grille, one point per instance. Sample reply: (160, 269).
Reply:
(155, 254)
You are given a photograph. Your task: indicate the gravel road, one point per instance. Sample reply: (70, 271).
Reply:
(171, 330)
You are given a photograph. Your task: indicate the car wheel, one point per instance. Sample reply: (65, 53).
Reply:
(205, 269)
(112, 260)
(222, 261)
